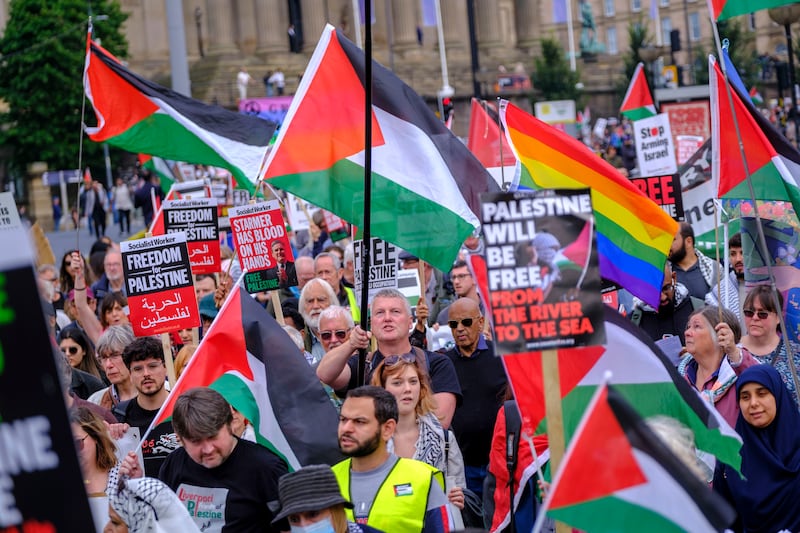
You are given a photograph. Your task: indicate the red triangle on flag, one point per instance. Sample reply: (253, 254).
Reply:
(324, 134)
(599, 461)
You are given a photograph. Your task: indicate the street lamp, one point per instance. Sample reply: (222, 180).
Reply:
(785, 16)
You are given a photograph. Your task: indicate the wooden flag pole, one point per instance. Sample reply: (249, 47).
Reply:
(276, 306)
(166, 346)
(555, 418)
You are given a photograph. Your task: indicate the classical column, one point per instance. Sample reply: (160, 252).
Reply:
(404, 25)
(454, 20)
(488, 24)
(219, 17)
(314, 19)
(272, 22)
(528, 24)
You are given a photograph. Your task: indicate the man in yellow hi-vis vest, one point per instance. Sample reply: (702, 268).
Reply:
(388, 492)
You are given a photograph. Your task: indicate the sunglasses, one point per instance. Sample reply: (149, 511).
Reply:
(79, 442)
(73, 350)
(466, 322)
(395, 359)
(762, 314)
(327, 335)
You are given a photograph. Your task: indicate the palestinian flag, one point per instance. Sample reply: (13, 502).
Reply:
(638, 102)
(618, 476)
(642, 374)
(755, 96)
(772, 162)
(139, 116)
(253, 363)
(725, 9)
(486, 143)
(426, 185)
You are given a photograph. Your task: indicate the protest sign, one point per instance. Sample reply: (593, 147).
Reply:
(655, 150)
(41, 486)
(384, 265)
(299, 212)
(189, 190)
(543, 294)
(262, 245)
(158, 280)
(198, 220)
(686, 146)
(9, 216)
(664, 191)
(337, 228)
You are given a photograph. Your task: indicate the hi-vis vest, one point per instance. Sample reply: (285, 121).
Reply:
(355, 312)
(400, 503)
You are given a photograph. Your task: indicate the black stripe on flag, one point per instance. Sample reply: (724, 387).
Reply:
(395, 97)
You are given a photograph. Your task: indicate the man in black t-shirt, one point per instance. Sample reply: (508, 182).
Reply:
(144, 358)
(227, 484)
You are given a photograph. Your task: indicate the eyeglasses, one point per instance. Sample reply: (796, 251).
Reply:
(103, 357)
(340, 334)
(761, 313)
(152, 367)
(466, 322)
(395, 359)
(460, 276)
(79, 442)
(73, 350)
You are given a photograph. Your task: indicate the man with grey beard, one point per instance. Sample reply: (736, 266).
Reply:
(316, 296)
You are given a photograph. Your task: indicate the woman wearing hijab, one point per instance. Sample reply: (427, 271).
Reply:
(768, 498)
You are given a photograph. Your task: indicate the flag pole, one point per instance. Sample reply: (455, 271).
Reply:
(89, 30)
(502, 163)
(365, 241)
(762, 239)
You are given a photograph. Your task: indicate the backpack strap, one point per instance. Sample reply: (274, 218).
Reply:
(513, 430)
(120, 411)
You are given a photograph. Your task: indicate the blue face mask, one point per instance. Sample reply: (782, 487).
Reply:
(323, 526)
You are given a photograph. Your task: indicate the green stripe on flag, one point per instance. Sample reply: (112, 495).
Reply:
(613, 514)
(340, 190)
(768, 184)
(639, 113)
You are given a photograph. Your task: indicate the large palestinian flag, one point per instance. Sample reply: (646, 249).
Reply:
(641, 373)
(773, 164)
(253, 363)
(638, 102)
(425, 183)
(725, 9)
(618, 476)
(139, 116)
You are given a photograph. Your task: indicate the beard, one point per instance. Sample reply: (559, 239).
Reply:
(311, 321)
(365, 448)
(678, 255)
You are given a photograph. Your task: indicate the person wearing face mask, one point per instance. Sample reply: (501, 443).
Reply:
(312, 503)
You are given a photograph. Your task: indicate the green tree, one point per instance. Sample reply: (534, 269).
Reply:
(552, 76)
(741, 49)
(638, 37)
(42, 54)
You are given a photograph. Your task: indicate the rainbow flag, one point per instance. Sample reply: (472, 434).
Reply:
(633, 233)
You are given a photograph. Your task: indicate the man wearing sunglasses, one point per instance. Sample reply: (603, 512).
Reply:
(391, 322)
(483, 382)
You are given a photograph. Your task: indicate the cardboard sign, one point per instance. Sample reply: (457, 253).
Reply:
(9, 216)
(384, 265)
(189, 190)
(337, 228)
(198, 220)
(296, 214)
(41, 486)
(158, 279)
(665, 191)
(655, 150)
(544, 282)
(262, 245)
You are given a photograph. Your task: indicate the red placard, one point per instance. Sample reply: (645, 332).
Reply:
(259, 234)
(198, 219)
(158, 280)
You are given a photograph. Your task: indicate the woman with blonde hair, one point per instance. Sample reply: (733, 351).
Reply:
(419, 435)
(96, 455)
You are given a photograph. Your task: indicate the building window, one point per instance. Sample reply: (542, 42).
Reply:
(751, 22)
(694, 26)
(636, 5)
(663, 3)
(666, 27)
(608, 7)
(611, 40)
